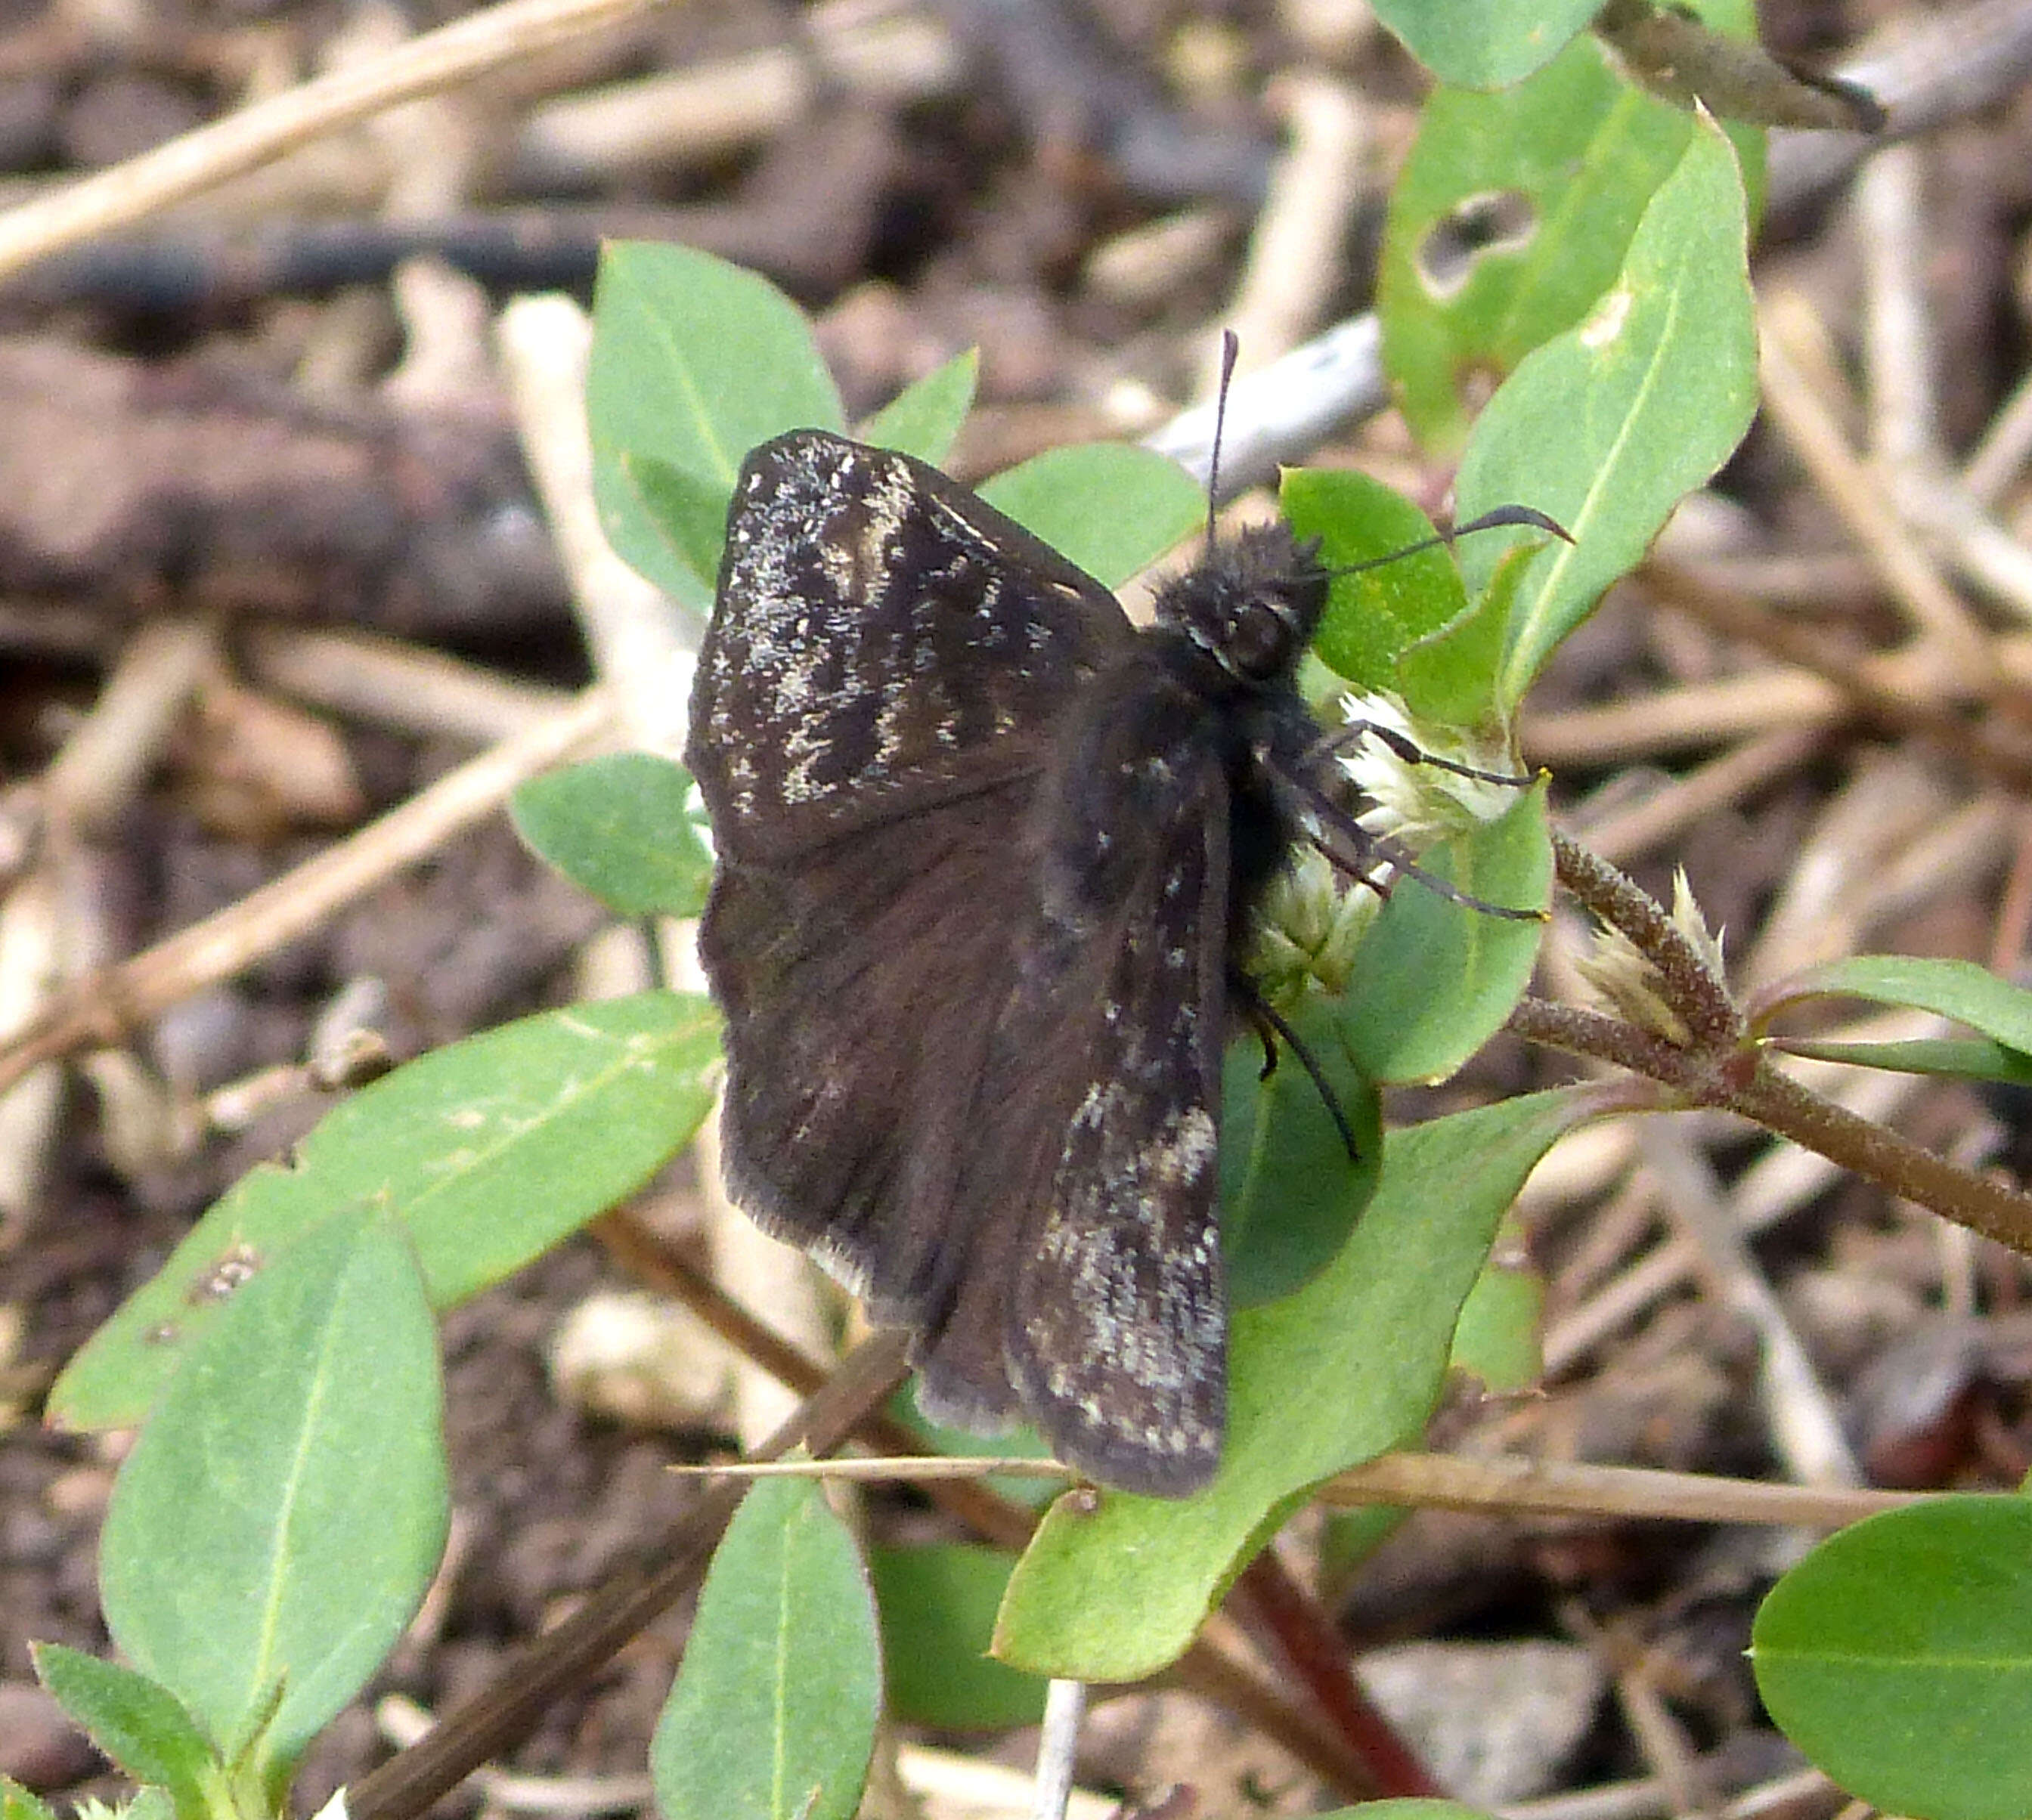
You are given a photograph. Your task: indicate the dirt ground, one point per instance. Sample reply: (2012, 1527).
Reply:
(271, 562)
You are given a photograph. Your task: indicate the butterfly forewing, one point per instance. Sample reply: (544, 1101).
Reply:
(883, 641)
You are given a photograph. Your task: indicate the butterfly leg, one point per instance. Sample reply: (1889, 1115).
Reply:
(1270, 1024)
(1356, 850)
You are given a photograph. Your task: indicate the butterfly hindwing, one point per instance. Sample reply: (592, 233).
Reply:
(1099, 1284)
(858, 990)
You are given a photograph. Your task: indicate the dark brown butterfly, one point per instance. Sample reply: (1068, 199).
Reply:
(987, 858)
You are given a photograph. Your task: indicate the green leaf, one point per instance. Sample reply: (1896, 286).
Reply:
(1434, 980)
(773, 1714)
(1348, 1368)
(279, 1519)
(694, 362)
(1962, 1060)
(1510, 217)
(137, 1722)
(1111, 507)
(1608, 427)
(1957, 989)
(491, 1150)
(1449, 678)
(621, 828)
(923, 418)
(20, 1803)
(1898, 1656)
(1485, 43)
(1497, 1339)
(1289, 1191)
(938, 1605)
(686, 513)
(1372, 617)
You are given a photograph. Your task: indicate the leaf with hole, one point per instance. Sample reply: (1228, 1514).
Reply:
(1608, 427)
(1510, 217)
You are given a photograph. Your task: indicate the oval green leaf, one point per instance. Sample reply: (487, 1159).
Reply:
(1958, 989)
(1111, 507)
(278, 1521)
(1434, 980)
(1290, 1193)
(620, 827)
(1501, 1325)
(138, 1723)
(694, 362)
(923, 418)
(490, 1150)
(1349, 1366)
(1372, 616)
(1898, 1656)
(938, 1604)
(773, 1714)
(1485, 43)
(1608, 427)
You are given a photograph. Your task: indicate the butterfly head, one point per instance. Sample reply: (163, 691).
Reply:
(1251, 605)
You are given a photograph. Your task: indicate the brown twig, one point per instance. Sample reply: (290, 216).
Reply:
(106, 1006)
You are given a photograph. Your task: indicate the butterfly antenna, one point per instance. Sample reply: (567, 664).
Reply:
(1230, 350)
(1525, 516)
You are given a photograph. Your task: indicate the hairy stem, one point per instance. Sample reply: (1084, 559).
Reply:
(1722, 1067)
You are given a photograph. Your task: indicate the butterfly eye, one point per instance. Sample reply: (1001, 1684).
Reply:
(1259, 642)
